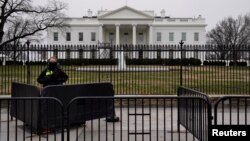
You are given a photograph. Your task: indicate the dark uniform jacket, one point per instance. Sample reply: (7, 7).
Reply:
(52, 76)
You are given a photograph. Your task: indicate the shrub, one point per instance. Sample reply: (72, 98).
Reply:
(80, 62)
(14, 63)
(144, 62)
(169, 62)
(37, 63)
(214, 63)
(238, 63)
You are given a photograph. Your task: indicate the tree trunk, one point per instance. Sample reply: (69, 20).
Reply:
(235, 57)
(1, 36)
(1, 31)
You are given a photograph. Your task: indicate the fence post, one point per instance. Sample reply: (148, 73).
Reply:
(178, 109)
(181, 43)
(248, 60)
(4, 61)
(28, 64)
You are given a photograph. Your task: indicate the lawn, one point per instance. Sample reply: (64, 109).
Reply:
(214, 80)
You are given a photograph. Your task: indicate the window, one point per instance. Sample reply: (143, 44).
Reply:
(68, 36)
(93, 36)
(80, 34)
(67, 53)
(80, 51)
(183, 36)
(196, 55)
(44, 54)
(158, 54)
(171, 36)
(140, 54)
(111, 37)
(55, 53)
(55, 36)
(196, 36)
(183, 54)
(111, 54)
(171, 54)
(125, 37)
(158, 36)
(93, 54)
(140, 37)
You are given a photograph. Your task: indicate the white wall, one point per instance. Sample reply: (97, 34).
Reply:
(177, 35)
(164, 33)
(74, 35)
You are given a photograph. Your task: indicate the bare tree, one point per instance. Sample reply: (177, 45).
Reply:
(230, 34)
(20, 19)
(11, 50)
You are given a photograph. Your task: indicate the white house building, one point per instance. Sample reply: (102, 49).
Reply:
(127, 25)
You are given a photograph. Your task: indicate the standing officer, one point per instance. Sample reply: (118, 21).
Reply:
(52, 75)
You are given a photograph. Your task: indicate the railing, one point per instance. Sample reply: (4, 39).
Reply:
(150, 69)
(162, 118)
(141, 118)
(31, 119)
(195, 114)
(232, 110)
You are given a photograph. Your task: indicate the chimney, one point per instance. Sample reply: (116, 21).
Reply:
(199, 17)
(163, 13)
(90, 13)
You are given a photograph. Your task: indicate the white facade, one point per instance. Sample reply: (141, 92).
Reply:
(129, 26)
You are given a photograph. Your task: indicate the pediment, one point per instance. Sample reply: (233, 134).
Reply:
(126, 13)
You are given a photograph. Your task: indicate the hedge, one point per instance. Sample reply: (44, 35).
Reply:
(169, 62)
(21, 63)
(81, 62)
(37, 63)
(238, 63)
(223, 63)
(14, 63)
(214, 63)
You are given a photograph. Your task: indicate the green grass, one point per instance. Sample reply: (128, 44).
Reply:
(213, 80)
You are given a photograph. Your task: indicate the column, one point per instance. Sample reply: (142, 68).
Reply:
(150, 34)
(203, 56)
(101, 33)
(117, 40)
(134, 34)
(150, 38)
(101, 51)
(134, 40)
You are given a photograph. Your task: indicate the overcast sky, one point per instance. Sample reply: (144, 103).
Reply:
(212, 10)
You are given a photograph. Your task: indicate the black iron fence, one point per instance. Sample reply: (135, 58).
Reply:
(184, 117)
(143, 118)
(148, 69)
(24, 119)
(232, 110)
(195, 114)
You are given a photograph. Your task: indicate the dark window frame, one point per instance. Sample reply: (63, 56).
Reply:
(68, 36)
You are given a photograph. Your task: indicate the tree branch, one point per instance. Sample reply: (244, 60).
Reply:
(24, 20)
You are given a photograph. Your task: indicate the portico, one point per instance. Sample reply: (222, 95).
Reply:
(126, 26)
(125, 34)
